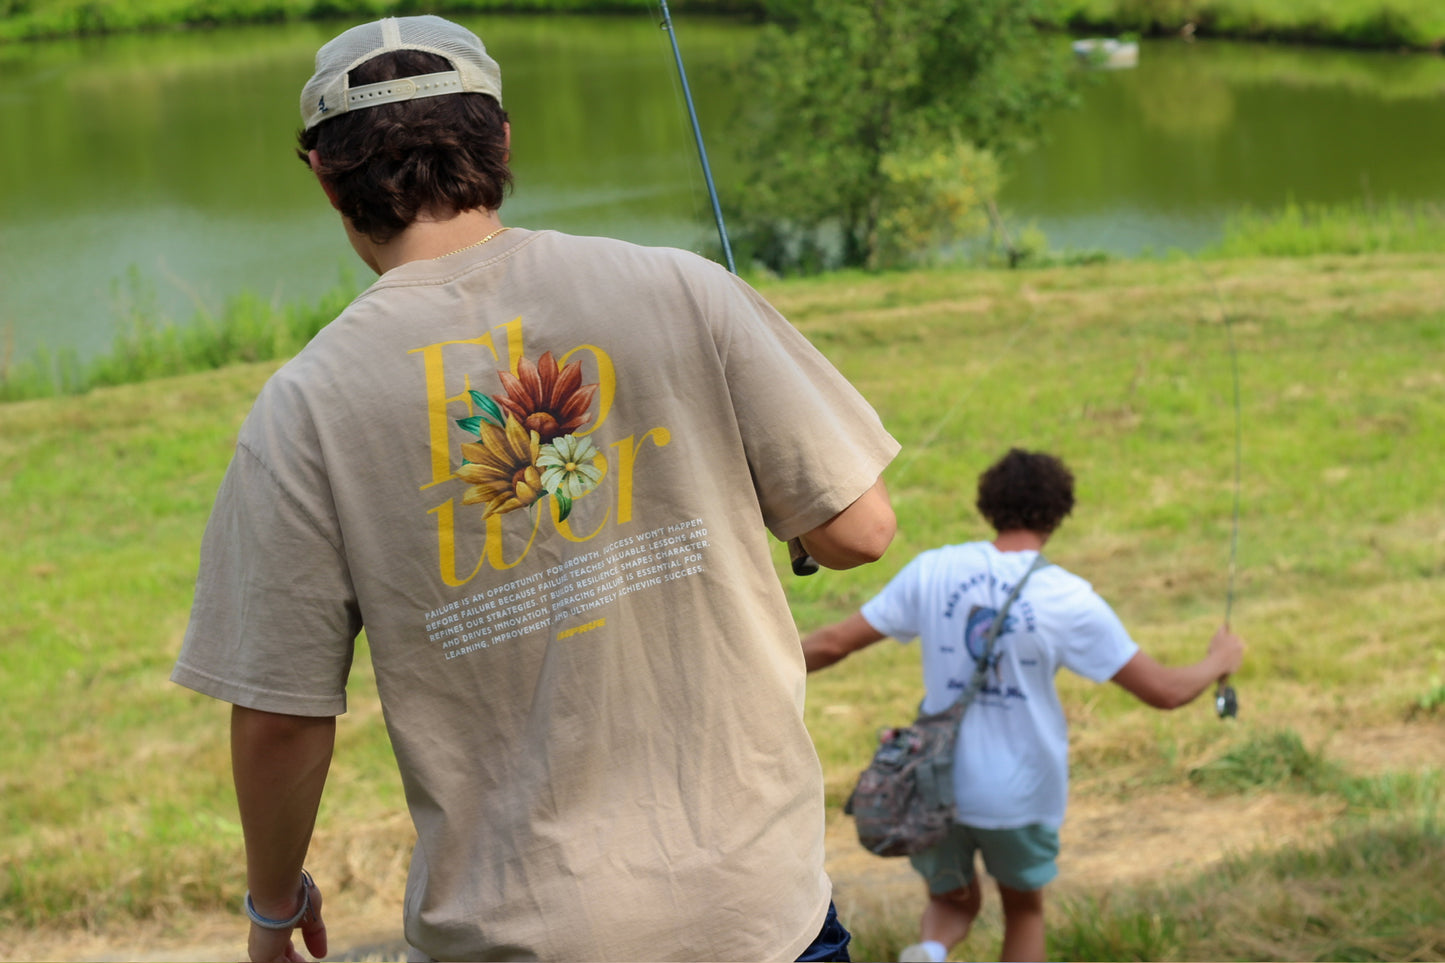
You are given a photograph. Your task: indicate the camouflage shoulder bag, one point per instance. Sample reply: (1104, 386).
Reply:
(903, 803)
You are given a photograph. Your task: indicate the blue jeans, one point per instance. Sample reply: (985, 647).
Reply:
(831, 946)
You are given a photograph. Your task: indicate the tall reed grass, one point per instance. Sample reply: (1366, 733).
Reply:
(1306, 230)
(246, 329)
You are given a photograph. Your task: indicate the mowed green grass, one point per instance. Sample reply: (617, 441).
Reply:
(116, 783)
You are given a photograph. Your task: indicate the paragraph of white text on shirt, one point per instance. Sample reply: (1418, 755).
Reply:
(570, 590)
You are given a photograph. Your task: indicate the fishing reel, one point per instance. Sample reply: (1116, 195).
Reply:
(1226, 703)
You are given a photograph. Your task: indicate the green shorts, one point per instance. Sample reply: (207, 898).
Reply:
(1021, 859)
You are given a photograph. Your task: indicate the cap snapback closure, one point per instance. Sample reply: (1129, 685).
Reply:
(404, 88)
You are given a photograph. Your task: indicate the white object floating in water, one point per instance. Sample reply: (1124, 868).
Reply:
(1108, 53)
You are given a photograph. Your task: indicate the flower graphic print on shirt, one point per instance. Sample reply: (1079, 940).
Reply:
(525, 448)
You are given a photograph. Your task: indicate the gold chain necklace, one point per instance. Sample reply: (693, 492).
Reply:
(477, 243)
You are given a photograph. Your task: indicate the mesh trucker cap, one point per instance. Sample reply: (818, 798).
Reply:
(327, 94)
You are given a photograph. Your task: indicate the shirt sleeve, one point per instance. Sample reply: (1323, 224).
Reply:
(895, 610)
(813, 443)
(274, 619)
(1097, 644)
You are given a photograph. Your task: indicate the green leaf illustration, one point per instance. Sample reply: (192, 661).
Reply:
(564, 505)
(491, 411)
(473, 424)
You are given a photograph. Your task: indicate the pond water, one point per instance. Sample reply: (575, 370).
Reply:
(155, 172)
(1158, 157)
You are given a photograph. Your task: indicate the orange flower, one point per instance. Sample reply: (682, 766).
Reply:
(546, 399)
(502, 468)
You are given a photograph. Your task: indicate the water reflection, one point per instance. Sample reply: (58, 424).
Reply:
(167, 159)
(1156, 158)
(168, 156)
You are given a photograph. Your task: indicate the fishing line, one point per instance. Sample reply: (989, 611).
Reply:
(1238, 439)
(921, 446)
(1226, 700)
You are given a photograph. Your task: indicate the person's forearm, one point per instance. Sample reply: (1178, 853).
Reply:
(1186, 683)
(818, 653)
(832, 643)
(279, 764)
(1169, 687)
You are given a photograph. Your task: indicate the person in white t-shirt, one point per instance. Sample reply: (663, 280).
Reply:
(1011, 767)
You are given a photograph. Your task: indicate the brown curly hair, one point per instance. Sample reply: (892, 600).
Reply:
(1028, 490)
(391, 163)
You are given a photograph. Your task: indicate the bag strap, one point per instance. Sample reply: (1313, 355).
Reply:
(966, 697)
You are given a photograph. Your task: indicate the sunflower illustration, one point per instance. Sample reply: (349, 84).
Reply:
(549, 400)
(502, 468)
(525, 449)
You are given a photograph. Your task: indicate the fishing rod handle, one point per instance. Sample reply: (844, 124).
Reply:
(803, 563)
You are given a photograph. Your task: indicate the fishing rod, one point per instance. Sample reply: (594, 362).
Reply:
(802, 563)
(722, 231)
(1226, 700)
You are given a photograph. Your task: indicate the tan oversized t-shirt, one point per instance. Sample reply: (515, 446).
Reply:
(539, 473)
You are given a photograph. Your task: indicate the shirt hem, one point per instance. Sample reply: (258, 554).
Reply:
(253, 697)
(811, 933)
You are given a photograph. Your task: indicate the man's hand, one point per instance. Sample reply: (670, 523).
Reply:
(280, 764)
(1227, 650)
(274, 946)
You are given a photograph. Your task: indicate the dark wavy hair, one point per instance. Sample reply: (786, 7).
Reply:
(1025, 489)
(391, 163)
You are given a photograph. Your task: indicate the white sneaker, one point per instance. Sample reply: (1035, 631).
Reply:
(917, 953)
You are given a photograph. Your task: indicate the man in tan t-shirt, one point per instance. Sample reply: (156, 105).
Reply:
(540, 471)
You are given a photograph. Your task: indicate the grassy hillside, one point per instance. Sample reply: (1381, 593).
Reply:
(117, 806)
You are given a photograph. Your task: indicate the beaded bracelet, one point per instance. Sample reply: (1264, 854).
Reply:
(266, 923)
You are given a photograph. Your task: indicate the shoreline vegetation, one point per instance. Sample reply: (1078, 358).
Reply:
(248, 329)
(1409, 25)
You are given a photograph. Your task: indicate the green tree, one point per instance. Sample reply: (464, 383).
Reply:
(872, 127)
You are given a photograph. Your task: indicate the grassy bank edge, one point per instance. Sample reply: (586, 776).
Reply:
(249, 329)
(1360, 24)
